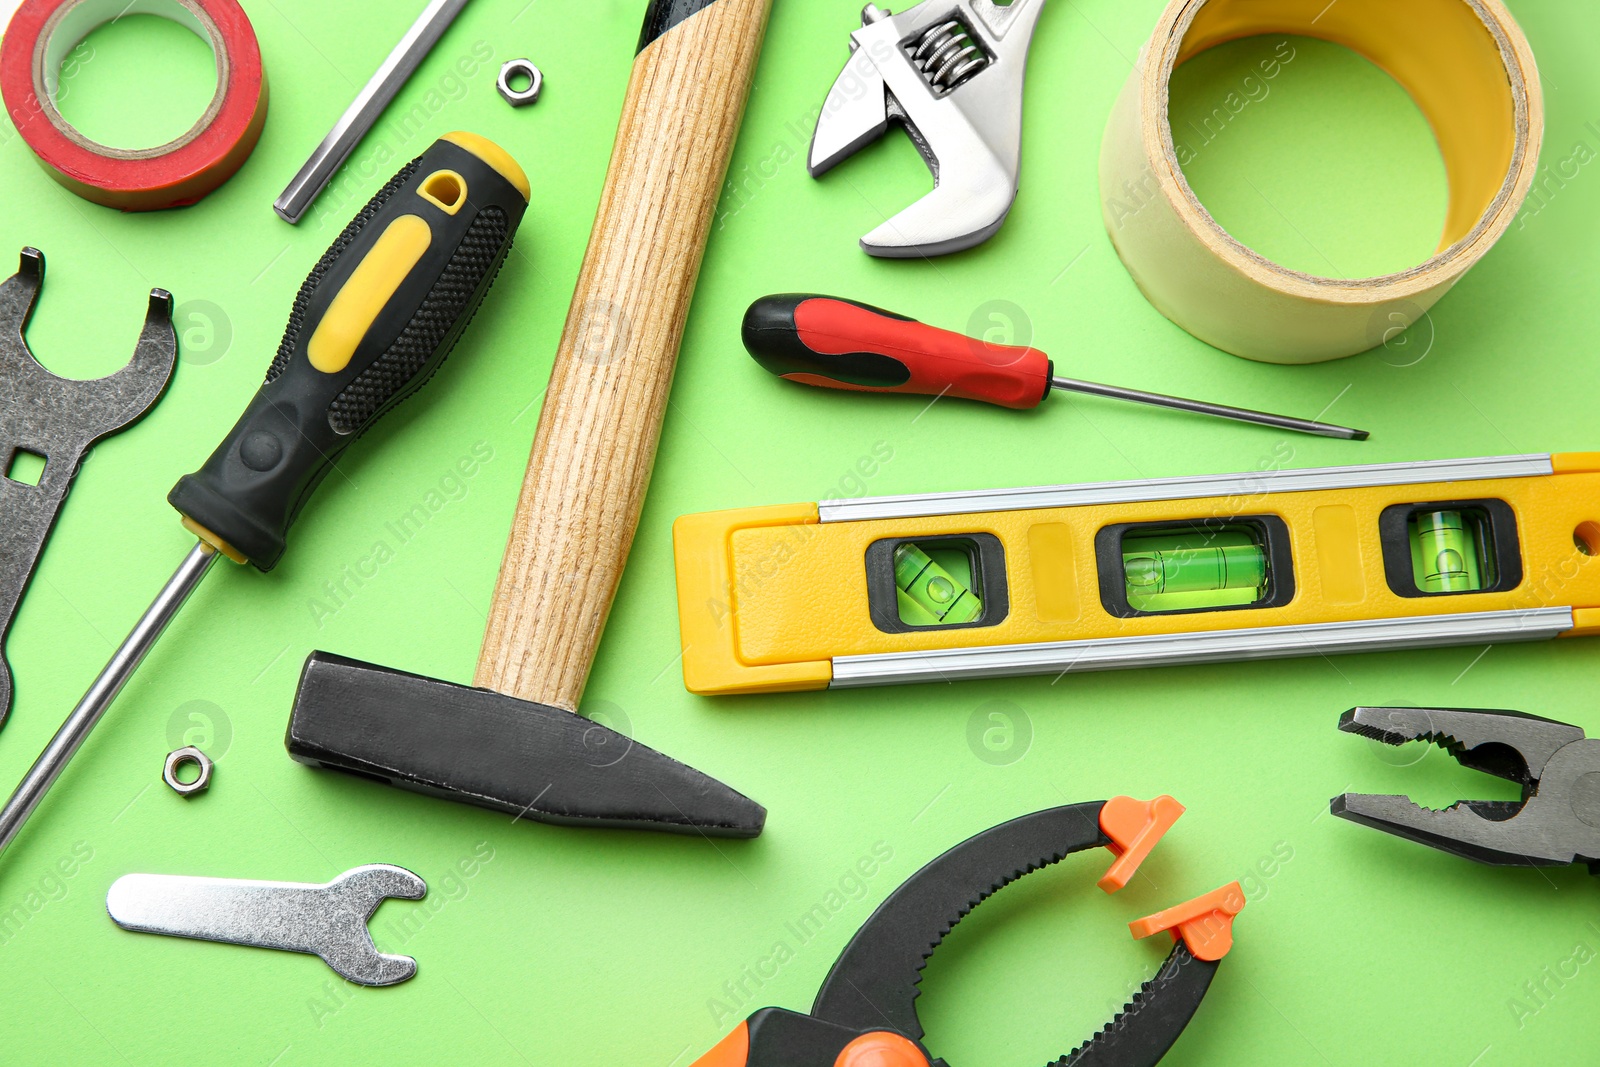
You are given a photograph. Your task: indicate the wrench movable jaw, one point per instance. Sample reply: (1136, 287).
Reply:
(855, 114)
(952, 76)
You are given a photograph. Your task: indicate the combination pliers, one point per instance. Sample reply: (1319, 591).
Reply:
(1557, 821)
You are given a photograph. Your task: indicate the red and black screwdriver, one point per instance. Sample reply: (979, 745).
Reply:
(840, 344)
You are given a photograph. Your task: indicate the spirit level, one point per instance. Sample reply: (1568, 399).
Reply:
(1130, 574)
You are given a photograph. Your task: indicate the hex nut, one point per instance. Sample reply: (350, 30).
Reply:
(177, 758)
(519, 97)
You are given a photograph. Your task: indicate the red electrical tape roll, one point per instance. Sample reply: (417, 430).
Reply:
(43, 32)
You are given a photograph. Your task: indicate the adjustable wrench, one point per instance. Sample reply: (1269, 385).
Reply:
(325, 920)
(952, 75)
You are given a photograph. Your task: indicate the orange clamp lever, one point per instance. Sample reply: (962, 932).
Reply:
(731, 1051)
(877, 1049)
(1205, 924)
(881, 1049)
(1134, 827)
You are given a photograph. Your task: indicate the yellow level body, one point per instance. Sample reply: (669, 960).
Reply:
(1344, 559)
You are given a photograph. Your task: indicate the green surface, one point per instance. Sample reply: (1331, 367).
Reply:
(1366, 194)
(114, 94)
(547, 946)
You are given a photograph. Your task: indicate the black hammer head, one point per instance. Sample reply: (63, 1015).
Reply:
(481, 747)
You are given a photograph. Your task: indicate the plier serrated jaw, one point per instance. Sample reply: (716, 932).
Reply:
(1557, 821)
(952, 74)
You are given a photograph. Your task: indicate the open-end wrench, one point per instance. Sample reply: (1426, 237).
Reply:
(58, 419)
(325, 920)
(951, 74)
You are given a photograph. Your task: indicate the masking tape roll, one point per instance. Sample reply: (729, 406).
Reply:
(1471, 72)
(45, 32)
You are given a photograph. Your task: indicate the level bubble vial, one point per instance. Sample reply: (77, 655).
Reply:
(929, 591)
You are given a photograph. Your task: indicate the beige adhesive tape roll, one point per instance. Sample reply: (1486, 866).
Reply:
(1471, 72)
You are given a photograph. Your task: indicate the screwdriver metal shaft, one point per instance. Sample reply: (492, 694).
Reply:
(53, 760)
(318, 170)
(1202, 407)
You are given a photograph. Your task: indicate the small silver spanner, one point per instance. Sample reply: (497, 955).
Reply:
(325, 920)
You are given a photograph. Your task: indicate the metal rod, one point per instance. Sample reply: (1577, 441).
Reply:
(53, 760)
(364, 110)
(1221, 411)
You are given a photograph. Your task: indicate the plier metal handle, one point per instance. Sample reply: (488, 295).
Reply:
(865, 1014)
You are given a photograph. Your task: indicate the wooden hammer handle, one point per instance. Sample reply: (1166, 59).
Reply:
(601, 421)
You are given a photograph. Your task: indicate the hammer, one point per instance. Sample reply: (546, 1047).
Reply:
(514, 743)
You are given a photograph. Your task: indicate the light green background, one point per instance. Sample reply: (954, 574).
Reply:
(572, 947)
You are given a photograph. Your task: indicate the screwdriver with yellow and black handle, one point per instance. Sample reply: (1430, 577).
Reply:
(375, 318)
